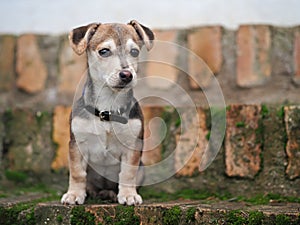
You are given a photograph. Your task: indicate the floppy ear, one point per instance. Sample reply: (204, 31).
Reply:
(79, 37)
(145, 34)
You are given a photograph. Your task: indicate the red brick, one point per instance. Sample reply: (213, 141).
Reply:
(297, 57)
(61, 136)
(162, 60)
(7, 57)
(191, 145)
(253, 55)
(292, 124)
(72, 69)
(206, 43)
(242, 148)
(31, 70)
(152, 142)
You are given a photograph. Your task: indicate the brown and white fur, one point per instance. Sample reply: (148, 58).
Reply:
(104, 156)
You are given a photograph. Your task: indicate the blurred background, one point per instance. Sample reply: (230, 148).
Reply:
(60, 16)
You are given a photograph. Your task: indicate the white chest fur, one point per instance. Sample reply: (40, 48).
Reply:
(104, 142)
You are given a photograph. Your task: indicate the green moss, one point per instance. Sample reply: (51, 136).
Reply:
(264, 111)
(125, 216)
(207, 135)
(40, 116)
(235, 218)
(20, 214)
(238, 217)
(150, 193)
(80, 217)
(59, 218)
(172, 216)
(240, 124)
(282, 220)
(12, 190)
(280, 113)
(255, 218)
(264, 199)
(191, 194)
(190, 215)
(16, 176)
(108, 220)
(30, 218)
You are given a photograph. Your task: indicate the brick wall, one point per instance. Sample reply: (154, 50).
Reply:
(257, 67)
(256, 63)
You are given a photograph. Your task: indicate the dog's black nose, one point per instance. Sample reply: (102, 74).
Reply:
(125, 76)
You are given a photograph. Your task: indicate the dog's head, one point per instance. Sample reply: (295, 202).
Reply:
(113, 51)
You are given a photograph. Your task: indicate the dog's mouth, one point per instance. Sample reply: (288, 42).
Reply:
(121, 86)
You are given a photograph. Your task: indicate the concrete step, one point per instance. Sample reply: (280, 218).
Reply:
(174, 212)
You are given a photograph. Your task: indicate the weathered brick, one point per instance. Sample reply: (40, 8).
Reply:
(2, 132)
(7, 57)
(297, 57)
(61, 136)
(253, 55)
(152, 139)
(169, 212)
(162, 60)
(191, 145)
(72, 69)
(292, 124)
(242, 146)
(31, 70)
(282, 51)
(49, 48)
(206, 43)
(28, 141)
(274, 157)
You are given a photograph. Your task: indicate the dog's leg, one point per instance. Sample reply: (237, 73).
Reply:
(127, 179)
(77, 179)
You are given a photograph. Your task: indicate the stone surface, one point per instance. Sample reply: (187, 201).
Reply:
(282, 51)
(297, 57)
(272, 176)
(49, 49)
(31, 70)
(242, 144)
(7, 60)
(191, 145)
(28, 141)
(292, 124)
(61, 136)
(2, 132)
(152, 135)
(181, 212)
(206, 43)
(162, 60)
(15, 200)
(72, 68)
(54, 214)
(253, 55)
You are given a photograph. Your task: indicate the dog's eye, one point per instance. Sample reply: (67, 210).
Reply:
(134, 52)
(105, 52)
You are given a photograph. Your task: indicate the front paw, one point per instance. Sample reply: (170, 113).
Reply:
(73, 197)
(130, 199)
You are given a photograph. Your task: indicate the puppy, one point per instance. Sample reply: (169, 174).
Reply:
(106, 122)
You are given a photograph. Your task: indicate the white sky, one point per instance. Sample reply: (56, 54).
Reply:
(59, 16)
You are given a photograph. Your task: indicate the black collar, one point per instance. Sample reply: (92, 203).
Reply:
(108, 115)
